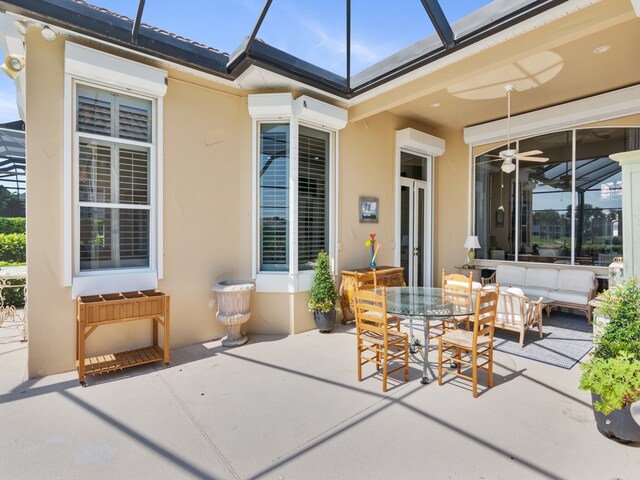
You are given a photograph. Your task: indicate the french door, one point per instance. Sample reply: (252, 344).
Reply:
(415, 232)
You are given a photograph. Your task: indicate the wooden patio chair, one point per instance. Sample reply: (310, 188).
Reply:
(369, 281)
(476, 344)
(457, 290)
(377, 341)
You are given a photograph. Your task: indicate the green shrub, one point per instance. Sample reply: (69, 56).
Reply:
(12, 225)
(13, 247)
(323, 290)
(616, 380)
(621, 305)
(613, 372)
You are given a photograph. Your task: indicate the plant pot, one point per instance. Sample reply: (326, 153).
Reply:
(619, 424)
(234, 308)
(325, 320)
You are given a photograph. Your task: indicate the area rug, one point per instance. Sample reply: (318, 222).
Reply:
(566, 339)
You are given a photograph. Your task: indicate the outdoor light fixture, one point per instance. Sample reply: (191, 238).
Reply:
(20, 26)
(472, 243)
(508, 166)
(13, 65)
(48, 34)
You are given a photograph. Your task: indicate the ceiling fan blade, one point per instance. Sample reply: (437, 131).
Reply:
(529, 153)
(489, 161)
(532, 159)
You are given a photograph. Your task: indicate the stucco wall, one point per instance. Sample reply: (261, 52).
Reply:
(451, 205)
(51, 323)
(367, 168)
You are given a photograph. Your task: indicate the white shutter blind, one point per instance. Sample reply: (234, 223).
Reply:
(94, 176)
(134, 119)
(274, 197)
(313, 195)
(113, 176)
(134, 237)
(134, 176)
(112, 114)
(94, 112)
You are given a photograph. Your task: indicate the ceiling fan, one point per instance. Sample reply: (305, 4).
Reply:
(511, 154)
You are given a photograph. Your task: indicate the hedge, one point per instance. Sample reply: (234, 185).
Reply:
(12, 225)
(13, 247)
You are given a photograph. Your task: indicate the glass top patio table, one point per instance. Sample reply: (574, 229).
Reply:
(424, 304)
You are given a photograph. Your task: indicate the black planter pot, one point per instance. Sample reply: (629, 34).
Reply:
(618, 425)
(325, 320)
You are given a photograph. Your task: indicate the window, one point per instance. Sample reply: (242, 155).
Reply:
(274, 199)
(113, 138)
(565, 210)
(294, 188)
(313, 195)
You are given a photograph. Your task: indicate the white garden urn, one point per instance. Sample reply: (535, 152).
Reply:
(234, 308)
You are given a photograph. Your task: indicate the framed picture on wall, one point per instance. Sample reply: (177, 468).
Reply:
(368, 210)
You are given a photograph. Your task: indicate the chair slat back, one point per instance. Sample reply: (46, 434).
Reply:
(366, 281)
(457, 288)
(371, 311)
(485, 313)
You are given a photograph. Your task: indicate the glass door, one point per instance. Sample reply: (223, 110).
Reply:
(414, 240)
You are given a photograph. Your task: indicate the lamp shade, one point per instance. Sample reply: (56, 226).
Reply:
(472, 242)
(508, 167)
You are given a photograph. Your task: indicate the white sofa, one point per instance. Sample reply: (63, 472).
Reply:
(560, 287)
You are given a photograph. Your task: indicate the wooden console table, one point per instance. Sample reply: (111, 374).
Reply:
(385, 276)
(97, 310)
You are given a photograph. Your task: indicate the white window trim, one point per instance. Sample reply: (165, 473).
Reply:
(307, 111)
(108, 72)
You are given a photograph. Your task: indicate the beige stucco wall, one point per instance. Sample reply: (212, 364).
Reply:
(51, 323)
(451, 194)
(367, 168)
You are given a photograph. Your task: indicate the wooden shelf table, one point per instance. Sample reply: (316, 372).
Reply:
(98, 310)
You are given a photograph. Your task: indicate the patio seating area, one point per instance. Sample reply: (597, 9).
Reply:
(288, 407)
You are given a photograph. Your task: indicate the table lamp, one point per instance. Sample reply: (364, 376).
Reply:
(472, 243)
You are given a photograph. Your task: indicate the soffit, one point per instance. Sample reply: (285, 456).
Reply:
(559, 66)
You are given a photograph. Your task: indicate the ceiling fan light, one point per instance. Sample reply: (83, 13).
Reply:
(508, 167)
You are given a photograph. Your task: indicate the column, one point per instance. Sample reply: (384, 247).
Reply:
(630, 163)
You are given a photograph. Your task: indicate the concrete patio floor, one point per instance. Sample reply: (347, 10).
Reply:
(292, 408)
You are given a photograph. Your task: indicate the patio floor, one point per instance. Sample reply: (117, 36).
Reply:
(291, 408)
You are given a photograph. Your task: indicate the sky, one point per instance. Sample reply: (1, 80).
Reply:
(311, 30)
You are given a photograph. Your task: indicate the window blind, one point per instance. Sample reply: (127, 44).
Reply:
(274, 197)
(111, 114)
(313, 195)
(117, 173)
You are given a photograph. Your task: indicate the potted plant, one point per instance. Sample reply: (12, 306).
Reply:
(612, 375)
(322, 301)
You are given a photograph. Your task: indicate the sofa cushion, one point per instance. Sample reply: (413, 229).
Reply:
(576, 280)
(534, 292)
(570, 296)
(542, 277)
(510, 275)
(474, 285)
